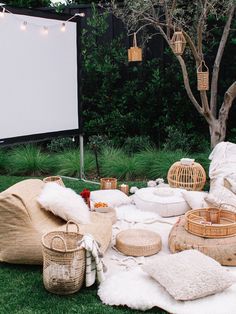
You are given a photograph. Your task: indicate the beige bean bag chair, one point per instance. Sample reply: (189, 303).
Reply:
(23, 222)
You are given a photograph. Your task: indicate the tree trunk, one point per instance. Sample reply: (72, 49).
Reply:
(217, 132)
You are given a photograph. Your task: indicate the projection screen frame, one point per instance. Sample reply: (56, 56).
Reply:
(64, 133)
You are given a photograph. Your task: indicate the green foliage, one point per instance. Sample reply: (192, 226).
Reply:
(3, 161)
(68, 163)
(153, 163)
(60, 144)
(29, 160)
(115, 163)
(137, 143)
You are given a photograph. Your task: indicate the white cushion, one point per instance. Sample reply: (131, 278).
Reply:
(189, 275)
(230, 182)
(64, 202)
(164, 201)
(195, 199)
(222, 197)
(113, 198)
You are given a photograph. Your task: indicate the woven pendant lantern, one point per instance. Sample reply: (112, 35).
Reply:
(202, 76)
(178, 43)
(134, 53)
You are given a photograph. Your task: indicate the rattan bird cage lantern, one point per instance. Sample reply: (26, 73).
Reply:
(134, 52)
(202, 76)
(178, 43)
(190, 177)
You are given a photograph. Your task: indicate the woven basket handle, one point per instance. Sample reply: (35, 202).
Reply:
(71, 222)
(201, 65)
(58, 237)
(135, 40)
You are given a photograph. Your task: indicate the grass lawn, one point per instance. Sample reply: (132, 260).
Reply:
(22, 290)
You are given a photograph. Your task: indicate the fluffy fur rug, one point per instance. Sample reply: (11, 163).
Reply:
(127, 284)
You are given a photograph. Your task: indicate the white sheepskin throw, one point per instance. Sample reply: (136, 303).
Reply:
(137, 290)
(64, 202)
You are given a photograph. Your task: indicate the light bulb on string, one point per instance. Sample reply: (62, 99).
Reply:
(45, 30)
(2, 13)
(63, 27)
(23, 26)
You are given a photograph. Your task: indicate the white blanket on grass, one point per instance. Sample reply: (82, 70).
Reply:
(126, 283)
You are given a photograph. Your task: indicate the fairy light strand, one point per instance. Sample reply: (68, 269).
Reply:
(44, 28)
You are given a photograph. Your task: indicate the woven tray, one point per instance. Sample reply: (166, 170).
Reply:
(211, 223)
(138, 242)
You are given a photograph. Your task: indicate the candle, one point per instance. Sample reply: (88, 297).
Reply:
(124, 188)
(108, 185)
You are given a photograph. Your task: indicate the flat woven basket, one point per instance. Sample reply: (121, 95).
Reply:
(211, 223)
(63, 261)
(138, 242)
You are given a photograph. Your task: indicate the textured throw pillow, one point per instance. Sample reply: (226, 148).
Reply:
(221, 197)
(195, 199)
(230, 183)
(113, 198)
(189, 275)
(64, 202)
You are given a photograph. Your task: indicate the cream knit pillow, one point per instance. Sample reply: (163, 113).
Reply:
(189, 275)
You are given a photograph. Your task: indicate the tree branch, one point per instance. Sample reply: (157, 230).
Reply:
(187, 85)
(216, 68)
(229, 97)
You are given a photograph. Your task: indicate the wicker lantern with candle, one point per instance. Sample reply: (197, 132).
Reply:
(108, 183)
(178, 43)
(134, 53)
(202, 76)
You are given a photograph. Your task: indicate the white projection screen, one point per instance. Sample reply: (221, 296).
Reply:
(39, 92)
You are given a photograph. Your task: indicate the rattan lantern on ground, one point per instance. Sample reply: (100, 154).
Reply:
(134, 53)
(178, 43)
(190, 177)
(202, 76)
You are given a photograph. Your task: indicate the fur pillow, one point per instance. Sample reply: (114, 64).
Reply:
(195, 199)
(64, 202)
(113, 198)
(189, 275)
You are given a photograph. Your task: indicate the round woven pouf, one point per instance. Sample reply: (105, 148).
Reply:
(190, 177)
(138, 242)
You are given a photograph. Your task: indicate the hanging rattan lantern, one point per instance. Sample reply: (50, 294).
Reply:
(202, 76)
(178, 43)
(134, 53)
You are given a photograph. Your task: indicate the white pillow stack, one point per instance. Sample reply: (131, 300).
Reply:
(64, 202)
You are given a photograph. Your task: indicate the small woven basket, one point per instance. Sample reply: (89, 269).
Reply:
(55, 179)
(108, 183)
(63, 261)
(202, 77)
(138, 242)
(211, 222)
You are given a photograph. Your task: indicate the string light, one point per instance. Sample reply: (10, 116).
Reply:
(45, 29)
(23, 26)
(63, 27)
(2, 13)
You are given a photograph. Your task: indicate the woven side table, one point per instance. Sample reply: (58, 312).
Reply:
(190, 177)
(138, 242)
